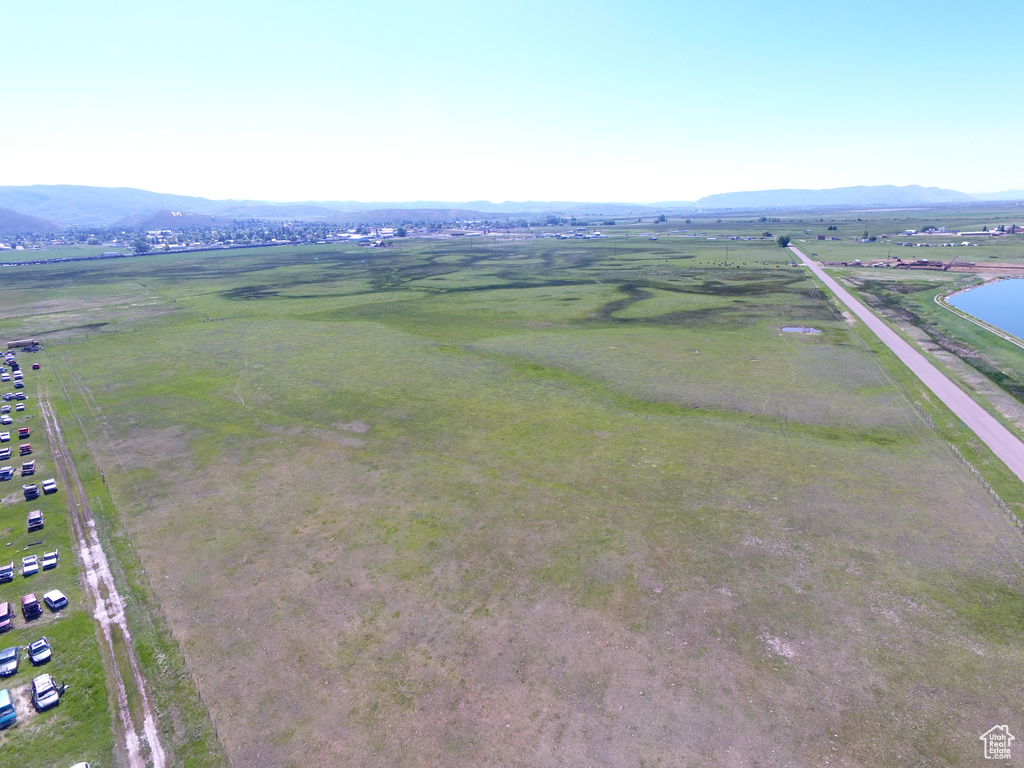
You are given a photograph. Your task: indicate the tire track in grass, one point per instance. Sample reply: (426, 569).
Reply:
(119, 657)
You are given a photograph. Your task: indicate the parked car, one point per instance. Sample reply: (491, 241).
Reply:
(18, 383)
(28, 468)
(35, 520)
(6, 614)
(20, 396)
(6, 421)
(7, 572)
(44, 693)
(35, 366)
(19, 407)
(5, 409)
(4, 437)
(50, 486)
(39, 651)
(31, 491)
(54, 600)
(24, 449)
(8, 396)
(29, 565)
(50, 560)
(6, 473)
(9, 658)
(5, 453)
(23, 432)
(8, 715)
(30, 607)
(5, 376)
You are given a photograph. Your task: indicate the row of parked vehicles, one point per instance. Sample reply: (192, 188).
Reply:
(46, 691)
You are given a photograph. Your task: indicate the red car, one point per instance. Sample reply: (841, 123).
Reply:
(30, 607)
(24, 432)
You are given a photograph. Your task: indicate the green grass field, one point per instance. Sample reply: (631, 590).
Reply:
(531, 503)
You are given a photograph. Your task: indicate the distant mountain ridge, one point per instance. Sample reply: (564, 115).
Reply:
(883, 195)
(86, 206)
(46, 208)
(1011, 194)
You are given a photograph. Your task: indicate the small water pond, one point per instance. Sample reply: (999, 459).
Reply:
(1000, 304)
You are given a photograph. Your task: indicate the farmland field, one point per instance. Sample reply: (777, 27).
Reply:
(532, 503)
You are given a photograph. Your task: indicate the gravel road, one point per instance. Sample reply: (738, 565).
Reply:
(998, 438)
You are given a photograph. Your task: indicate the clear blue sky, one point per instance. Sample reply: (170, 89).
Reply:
(526, 100)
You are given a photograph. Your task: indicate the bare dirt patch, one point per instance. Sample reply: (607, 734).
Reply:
(359, 426)
(21, 697)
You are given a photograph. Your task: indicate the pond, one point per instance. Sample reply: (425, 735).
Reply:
(1000, 304)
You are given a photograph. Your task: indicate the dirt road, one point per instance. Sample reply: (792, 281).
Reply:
(998, 438)
(108, 610)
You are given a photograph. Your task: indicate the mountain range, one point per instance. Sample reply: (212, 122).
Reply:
(42, 208)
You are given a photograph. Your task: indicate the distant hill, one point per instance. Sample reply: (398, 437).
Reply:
(842, 196)
(1013, 194)
(105, 206)
(13, 223)
(409, 215)
(169, 220)
(90, 206)
(85, 207)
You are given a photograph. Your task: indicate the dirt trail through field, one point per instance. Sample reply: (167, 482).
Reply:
(998, 438)
(140, 751)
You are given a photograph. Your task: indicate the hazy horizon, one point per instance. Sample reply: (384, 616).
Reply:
(574, 102)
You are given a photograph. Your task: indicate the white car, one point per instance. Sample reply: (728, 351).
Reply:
(6, 421)
(44, 693)
(4, 437)
(29, 565)
(55, 600)
(39, 652)
(50, 560)
(50, 486)
(19, 407)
